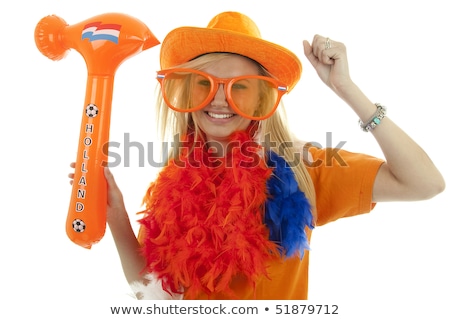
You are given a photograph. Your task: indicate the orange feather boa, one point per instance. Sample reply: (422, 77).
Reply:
(204, 224)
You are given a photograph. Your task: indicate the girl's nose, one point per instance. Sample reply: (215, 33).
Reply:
(220, 99)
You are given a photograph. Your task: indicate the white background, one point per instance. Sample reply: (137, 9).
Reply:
(393, 261)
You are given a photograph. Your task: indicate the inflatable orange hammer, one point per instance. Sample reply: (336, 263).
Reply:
(104, 41)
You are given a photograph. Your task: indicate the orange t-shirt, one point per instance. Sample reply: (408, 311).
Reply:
(343, 184)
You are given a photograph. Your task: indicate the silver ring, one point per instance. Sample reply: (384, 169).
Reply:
(327, 44)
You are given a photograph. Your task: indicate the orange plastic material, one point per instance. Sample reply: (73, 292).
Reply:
(104, 41)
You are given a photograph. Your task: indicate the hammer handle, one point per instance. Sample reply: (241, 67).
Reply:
(86, 219)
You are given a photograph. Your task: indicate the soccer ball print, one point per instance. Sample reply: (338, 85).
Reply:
(91, 110)
(78, 225)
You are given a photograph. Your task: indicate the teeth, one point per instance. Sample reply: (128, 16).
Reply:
(220, 115)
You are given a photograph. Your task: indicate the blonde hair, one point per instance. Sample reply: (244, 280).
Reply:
(171, 123)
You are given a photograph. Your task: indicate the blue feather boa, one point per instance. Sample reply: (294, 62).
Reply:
(287, 210)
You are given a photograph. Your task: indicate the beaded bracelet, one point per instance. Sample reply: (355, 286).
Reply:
(374, 120)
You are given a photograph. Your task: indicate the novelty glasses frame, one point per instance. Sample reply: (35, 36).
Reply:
(228, 84)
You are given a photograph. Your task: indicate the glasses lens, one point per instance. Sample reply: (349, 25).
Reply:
(185, 90)
(254, 97)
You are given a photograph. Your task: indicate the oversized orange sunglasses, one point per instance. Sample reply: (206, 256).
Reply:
(251, 96)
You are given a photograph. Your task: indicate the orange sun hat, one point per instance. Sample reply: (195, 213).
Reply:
(231, 32)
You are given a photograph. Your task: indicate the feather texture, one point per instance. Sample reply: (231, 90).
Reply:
(288, 211)
(204, 224)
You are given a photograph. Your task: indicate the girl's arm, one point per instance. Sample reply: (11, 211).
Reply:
(408, 174)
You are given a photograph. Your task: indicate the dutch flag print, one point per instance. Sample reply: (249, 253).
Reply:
(98, 31)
